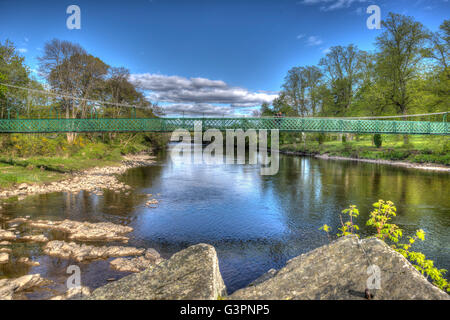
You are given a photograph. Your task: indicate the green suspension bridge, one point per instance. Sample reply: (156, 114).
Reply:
(435, 125)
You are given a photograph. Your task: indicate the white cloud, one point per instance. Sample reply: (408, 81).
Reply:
(22, 50)
(314, 41)
(326, 50)
(300, 36)
(329, 5)
(199, 95)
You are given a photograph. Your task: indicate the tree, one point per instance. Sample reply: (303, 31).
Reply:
(294, 88)
(342, 67)
(401, 51)
(265, 110)
(440, 47)
(13, 71)
(401, 48)
(69, 69)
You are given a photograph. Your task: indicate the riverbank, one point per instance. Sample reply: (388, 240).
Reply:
(101, 175)
(427, 153)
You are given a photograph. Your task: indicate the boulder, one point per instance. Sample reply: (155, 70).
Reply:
(340, 271)
(191, 274)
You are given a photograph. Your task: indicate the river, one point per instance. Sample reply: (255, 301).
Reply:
(255, 222)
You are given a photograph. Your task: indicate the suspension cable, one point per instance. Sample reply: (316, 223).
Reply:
(68, 96)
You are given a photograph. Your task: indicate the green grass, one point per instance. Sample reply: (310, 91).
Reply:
(420, 149)
(40, 170)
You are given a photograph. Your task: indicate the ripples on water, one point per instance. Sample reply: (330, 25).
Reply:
(255, 222)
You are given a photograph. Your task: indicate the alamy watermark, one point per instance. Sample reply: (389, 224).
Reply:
(374, 21)
(374, 280)
(213, 153)
(74, 20)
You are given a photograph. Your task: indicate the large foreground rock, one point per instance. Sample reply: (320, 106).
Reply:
(339, 271)
(191, 274)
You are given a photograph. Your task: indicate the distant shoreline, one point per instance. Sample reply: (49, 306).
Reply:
(405, 164)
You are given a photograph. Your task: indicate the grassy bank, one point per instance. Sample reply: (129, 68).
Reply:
(419, 149)
(46, 158)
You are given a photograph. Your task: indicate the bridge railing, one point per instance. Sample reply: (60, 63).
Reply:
(171, 124)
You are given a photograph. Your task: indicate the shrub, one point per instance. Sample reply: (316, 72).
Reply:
(377, 140)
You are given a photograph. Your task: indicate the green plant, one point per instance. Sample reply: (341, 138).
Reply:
(348, 227)
(380, 218)
(377, 140)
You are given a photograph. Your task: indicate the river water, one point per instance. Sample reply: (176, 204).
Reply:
(255, 222)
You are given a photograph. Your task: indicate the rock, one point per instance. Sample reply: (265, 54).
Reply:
(17, 221)
(151, 202)
(28, 262)
(150, 259)
(5, 243)
(266, 276)
(191, 274)
(5, 250)
(130, 265)
(71, 250)
(152, 254)
(7, 235)
(340, 271)
(35, 238)
(10, 287)
(85, 231)
(4, 258)
(74, 294)
(23, 186)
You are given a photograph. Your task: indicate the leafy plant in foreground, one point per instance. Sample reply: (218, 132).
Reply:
(380, 219)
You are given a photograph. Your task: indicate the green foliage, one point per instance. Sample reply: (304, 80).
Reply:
(380, 218)
(348, 227)
(377, 140)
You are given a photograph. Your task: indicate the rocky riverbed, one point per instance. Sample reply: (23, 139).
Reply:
(78, 248)
(92, 180)
(77, 241)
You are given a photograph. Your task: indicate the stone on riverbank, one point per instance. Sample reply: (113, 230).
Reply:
(11, 287)
(4, 257)
(7, 235)
(192, 273)
(85, 231)
(74, 294)
(35, 238)
(339, 271)
(28, 262)
(80, 253)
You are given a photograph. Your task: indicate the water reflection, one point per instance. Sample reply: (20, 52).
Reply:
(255, 222)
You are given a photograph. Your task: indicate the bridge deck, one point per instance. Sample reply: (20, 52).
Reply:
(171, 124)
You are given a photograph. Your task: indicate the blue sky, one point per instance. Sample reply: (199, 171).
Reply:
(216, 56)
